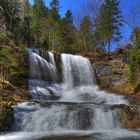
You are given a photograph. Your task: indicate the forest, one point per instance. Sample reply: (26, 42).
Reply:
(39, 26)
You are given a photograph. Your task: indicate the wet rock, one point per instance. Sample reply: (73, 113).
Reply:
(6, 117)
(135, 98)
(129, 116)
(57, 57)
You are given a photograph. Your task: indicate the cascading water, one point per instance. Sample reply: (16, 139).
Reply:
(41, 69)
(41, 74)
(77, 71)
(80, 109)
(51, 57)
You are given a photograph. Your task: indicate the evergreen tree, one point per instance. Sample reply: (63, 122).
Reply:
(55, 5)
(39, 8)
(54, 12)
(68, 17)
(109, 22)
(66, 32)
(39, 14)
(134, 60)
(9, 15)
(53, 24)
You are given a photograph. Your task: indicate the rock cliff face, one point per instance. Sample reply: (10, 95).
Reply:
(113, 76)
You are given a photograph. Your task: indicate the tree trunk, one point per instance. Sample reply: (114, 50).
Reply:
(35, 39)
(10, 26)
(53, 41)
(1, 74)
(84, 40)
(109, 46)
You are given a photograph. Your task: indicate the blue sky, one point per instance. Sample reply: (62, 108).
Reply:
(75, 5)
(66, 4)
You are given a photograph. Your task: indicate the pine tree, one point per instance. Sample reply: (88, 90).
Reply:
(109, 22)
(53, 24)
(65, 32)
(9, 12)
(54, 12)
(68, 17)
(39, 14)
(39, 8)
(134, 60)
(55, 5)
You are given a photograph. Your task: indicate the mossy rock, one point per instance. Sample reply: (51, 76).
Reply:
(6, 117)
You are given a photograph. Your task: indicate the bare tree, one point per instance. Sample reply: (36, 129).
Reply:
(133, 17)
(88, 8)
(92, 8)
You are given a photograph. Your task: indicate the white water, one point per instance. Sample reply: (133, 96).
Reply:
(41, 69)
(82, 109)
(114, 134)
(77, 71)
(52, 61)
(41, 72)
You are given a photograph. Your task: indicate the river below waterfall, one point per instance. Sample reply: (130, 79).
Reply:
(74, 109)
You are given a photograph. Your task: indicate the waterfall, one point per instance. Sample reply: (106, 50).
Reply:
(40, 68)
(78, 89)
(77, 71)
(51, 56)
(41, 73)
(80, 108)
